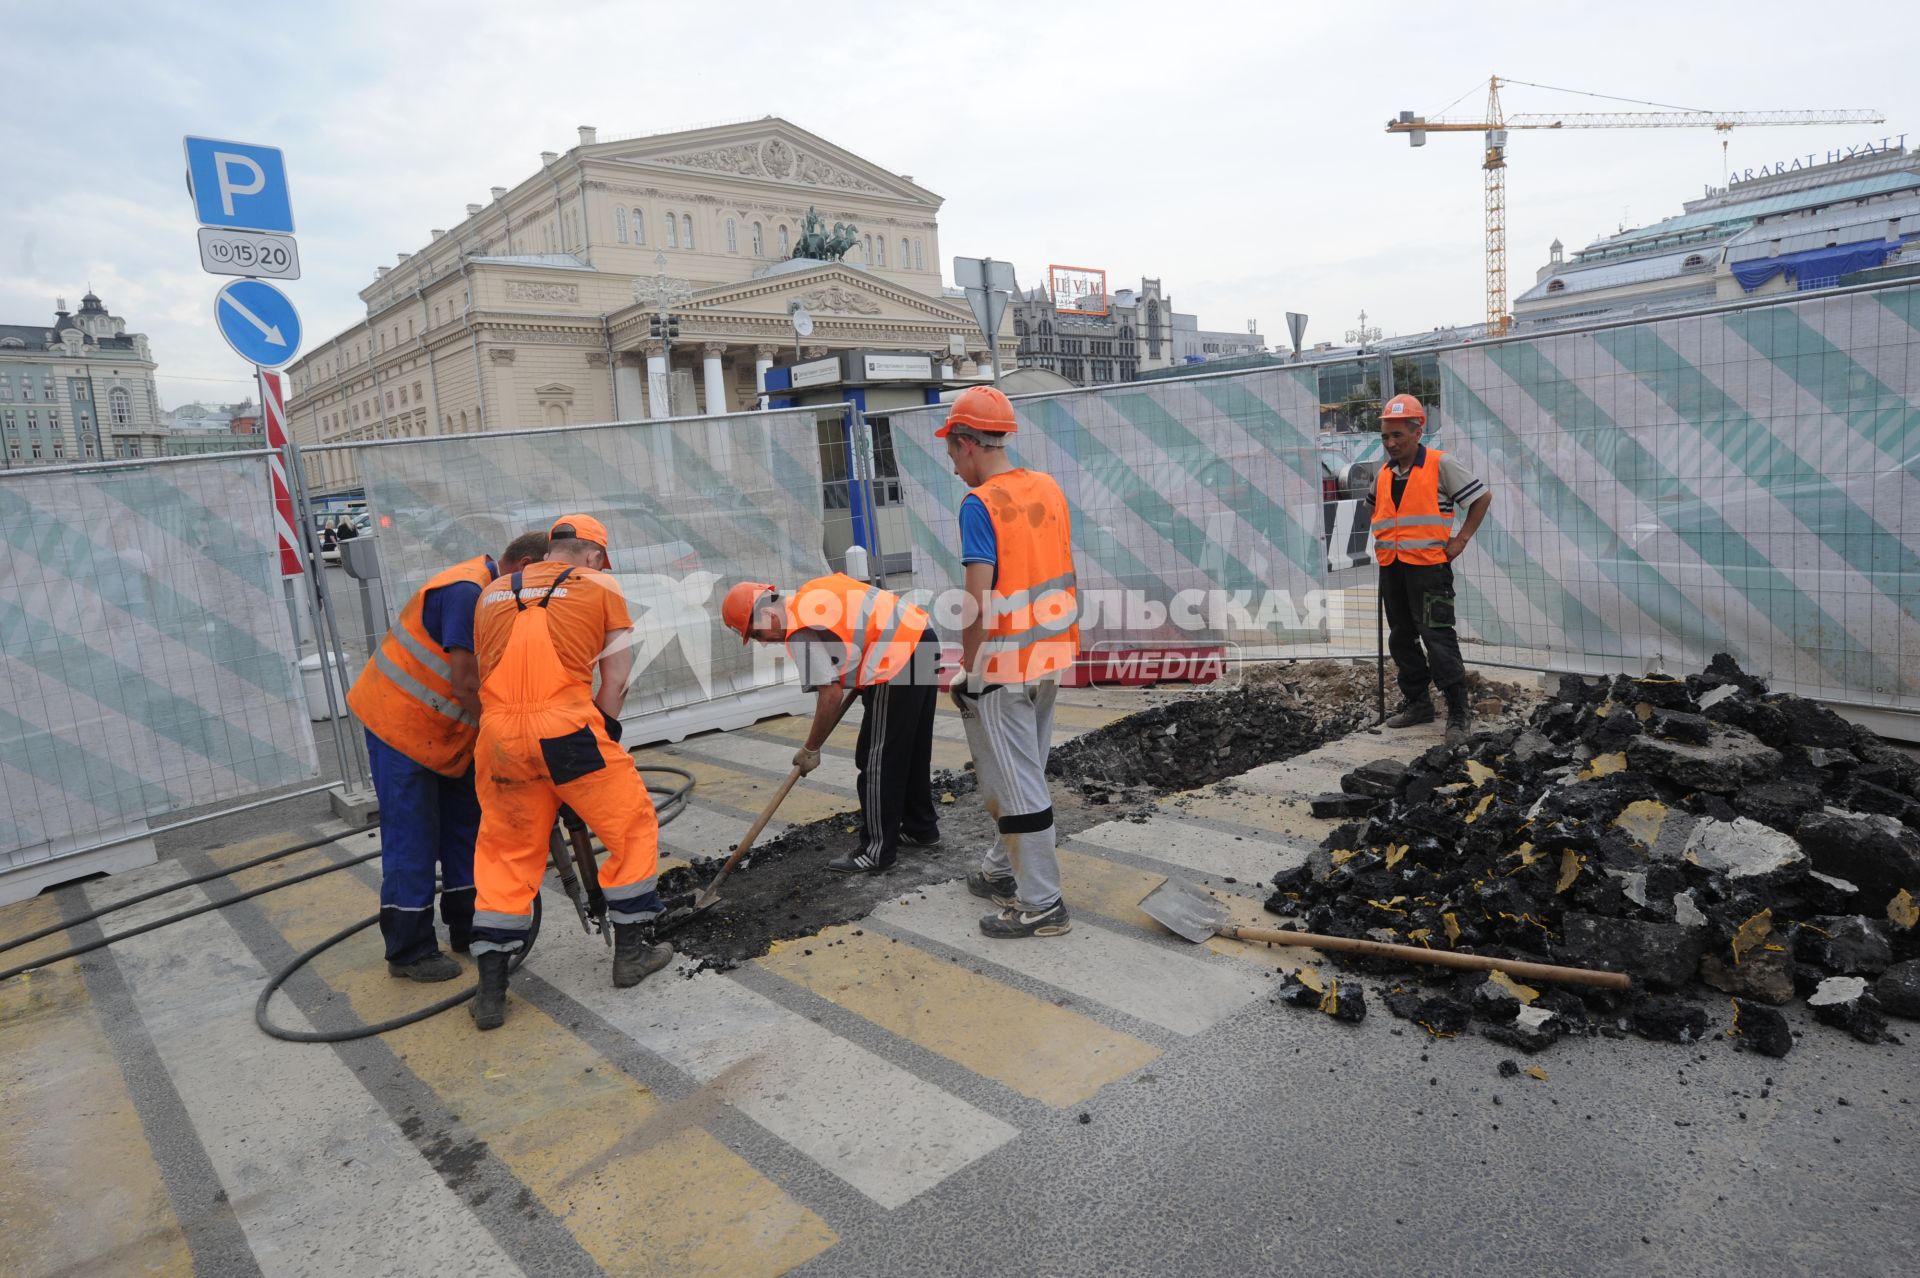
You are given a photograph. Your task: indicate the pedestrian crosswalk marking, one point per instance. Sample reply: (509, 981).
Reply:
(1196, 848)
(1136, 977)
(1028, 1044)
(876, 1126)
(743, 794)
(562, 1119)
(72, 1133)
(1115, 891)
(312, 1168)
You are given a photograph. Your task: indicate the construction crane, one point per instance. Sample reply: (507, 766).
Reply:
(1494, 162)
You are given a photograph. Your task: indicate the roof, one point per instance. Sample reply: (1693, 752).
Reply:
(1625, 270)
(1854, 223)
(1753, 210)
(558, 261)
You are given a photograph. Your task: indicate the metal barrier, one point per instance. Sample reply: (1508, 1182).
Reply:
(691, 504)
(148, 658)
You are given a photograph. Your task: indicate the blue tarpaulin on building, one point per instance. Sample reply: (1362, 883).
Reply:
(1825, 264)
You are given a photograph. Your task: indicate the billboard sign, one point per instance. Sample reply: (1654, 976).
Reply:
(1078, 290)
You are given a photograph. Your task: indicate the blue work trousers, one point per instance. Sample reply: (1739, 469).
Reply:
(428, 822)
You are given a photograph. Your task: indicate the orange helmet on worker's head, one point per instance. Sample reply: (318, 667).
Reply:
(1403, 408)
(983, 408)
(737, 609)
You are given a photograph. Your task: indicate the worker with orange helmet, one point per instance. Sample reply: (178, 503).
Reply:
(852, 638)
(418, 700)
(1415, 497)
(1021, 635)
(548, 738)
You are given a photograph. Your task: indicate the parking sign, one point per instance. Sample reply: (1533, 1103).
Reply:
(239, 186)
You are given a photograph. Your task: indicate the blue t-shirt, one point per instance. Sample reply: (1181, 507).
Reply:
(448, 613)
(978, 544)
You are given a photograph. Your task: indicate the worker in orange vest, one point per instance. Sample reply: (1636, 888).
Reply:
(851, 638)
(548, 738)
(418, 699)
(1414, 500)
(1021, 636)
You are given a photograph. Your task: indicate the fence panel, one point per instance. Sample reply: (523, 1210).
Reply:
(1196, 506)
(691, 505)
(1745, 480)
(146, 654)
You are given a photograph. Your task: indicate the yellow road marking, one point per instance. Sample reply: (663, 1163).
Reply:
(1054, 1055)
(641, 1186)
(81, 1191)
(744, 794)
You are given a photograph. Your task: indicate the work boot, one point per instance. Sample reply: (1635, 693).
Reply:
(427, 969)
(489, 1005)
(1412, 713)
(633, 959)
(998, 888)
(1459, 719)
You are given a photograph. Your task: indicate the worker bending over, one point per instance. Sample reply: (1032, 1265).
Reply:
(548, 738)
(851, 638)
(1021, 636)
(418, 698)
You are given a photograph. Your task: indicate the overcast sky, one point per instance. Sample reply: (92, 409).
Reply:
(1235, 151)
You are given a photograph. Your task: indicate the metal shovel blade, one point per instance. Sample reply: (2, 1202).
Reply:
(1185, 910)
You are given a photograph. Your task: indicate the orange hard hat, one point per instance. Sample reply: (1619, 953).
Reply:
(981, 408)
(737, 609)
(1402, 408)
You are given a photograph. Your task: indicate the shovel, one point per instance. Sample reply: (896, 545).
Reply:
(1187, 911)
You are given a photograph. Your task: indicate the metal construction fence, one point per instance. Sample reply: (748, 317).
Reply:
(147, 660)
(690, 504)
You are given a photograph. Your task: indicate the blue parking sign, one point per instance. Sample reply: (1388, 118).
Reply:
(239, 186)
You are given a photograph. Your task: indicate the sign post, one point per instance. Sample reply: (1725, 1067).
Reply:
(989, 287)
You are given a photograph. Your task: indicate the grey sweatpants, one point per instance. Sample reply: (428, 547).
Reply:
(1010, 731)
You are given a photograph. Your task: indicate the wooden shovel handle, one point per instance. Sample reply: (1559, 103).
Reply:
(1516, 968)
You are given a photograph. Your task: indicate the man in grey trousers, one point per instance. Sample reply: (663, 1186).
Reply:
(1020, 637)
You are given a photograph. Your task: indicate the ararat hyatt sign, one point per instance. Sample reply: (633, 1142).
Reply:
(1812, 158)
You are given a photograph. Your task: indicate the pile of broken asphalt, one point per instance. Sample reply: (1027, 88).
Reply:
(1698, 834)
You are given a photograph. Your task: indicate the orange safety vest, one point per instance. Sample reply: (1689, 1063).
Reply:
(404, 694)
(1034, 609)
(1414, 531)
(877, 627)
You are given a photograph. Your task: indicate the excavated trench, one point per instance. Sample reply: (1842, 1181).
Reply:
(783, 889)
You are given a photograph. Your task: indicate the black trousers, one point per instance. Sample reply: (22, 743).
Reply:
(1420, 633)
(893, 758)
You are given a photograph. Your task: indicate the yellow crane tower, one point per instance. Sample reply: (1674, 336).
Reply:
(1494, 162)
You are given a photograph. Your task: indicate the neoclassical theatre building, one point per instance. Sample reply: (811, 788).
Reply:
(537, 308)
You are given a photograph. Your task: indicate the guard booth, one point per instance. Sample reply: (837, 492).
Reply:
(872, 383)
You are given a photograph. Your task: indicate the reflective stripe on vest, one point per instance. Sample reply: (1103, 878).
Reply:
(1415, 530)
(877, 629)
(404, 694)
(1033, 612)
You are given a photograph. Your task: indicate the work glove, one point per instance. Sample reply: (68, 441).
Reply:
(612, 725)
(806, 760)
(967, 690)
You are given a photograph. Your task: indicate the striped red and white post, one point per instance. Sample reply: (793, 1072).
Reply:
(273, 411)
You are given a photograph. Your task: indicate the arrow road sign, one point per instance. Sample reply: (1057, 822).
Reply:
(239, 186)
(258, 322)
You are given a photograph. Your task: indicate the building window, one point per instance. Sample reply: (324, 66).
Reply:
(35, 448)
(46, 383)
(78, 389)
(867, 247)
(418, 398)
(786, 245)
(620, 225)
(86, 446)
(881, 246)
(1555, 286)
(686, 228)
(733, 237)
(13, 450)
(59, 447)
(906, 253)
(673, 231)
(639, 226)
(6, 386)
(919, 255)
(759, 242)
(33, 419)
(120, 403)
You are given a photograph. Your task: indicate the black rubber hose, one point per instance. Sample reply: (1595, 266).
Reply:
(51, 928)
(274, 982)
(668, 808)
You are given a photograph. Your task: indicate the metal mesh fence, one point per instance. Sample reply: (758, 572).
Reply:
(1196, 507)
(691, 506)
(1744, 481)
(147, 662)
